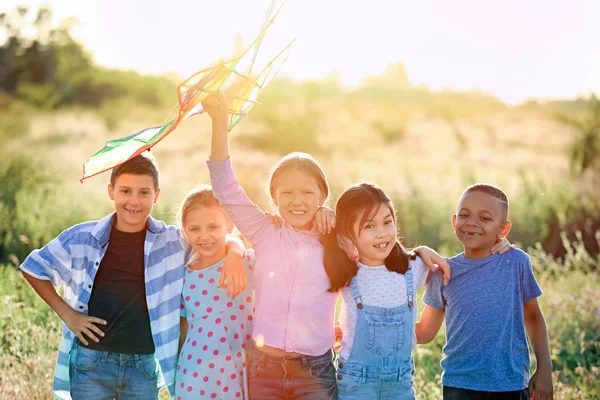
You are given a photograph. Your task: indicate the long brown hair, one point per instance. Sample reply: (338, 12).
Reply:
(365, 198)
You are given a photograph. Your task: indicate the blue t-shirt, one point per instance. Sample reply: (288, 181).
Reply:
(486, 347)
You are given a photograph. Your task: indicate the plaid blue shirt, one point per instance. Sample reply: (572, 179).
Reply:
(72, 260)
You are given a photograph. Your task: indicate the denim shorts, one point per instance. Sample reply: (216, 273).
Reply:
(102, 375)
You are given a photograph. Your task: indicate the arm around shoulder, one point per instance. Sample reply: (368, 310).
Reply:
(233, 275)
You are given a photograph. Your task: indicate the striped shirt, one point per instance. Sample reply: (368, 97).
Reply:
(72, 260)
(293, 309)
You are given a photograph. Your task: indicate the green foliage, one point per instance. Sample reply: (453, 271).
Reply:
(585, 152)
(34, 207)
(387, 133)
(40, 95)
(113, 112)
(14, 120)
(285, 134)
(289, 116)
(51, 69)
(420, 222)
(583, 116)
(31, 334)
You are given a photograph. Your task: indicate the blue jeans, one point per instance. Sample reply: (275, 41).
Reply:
(100, 375)
(291, 378)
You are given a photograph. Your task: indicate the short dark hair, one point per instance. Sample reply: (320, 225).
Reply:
(142, 164)
(493, 191)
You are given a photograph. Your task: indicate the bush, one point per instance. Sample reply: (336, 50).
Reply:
(34, 207)
(29, 341)
(14, 119)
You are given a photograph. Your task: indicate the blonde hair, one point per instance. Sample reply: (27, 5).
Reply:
(200, 196)
(301, 161)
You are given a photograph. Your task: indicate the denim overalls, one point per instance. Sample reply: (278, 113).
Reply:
(380, 364)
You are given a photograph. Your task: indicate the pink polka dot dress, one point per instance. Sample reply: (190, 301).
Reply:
(212, 362)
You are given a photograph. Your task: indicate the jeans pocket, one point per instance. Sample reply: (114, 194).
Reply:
(86, 360)
(148, 367)
(253, 368)
(385, 338)
(406, 381)
(324, 371)
(348, 383)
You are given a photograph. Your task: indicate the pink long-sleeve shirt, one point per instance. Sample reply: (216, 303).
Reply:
(294, 310)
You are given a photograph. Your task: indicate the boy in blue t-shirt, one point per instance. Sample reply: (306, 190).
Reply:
(489, 303)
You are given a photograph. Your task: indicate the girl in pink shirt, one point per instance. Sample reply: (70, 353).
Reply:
(293, 328)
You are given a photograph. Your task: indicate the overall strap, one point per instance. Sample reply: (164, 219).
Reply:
(410, 287)
(356, 293)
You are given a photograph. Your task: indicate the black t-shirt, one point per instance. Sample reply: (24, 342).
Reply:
(119, 296)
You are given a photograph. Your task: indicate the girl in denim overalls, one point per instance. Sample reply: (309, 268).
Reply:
(379, 308)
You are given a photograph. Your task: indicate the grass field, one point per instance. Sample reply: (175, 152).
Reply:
(423, 154)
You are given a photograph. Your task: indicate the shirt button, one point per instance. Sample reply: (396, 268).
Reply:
(89, 286)
(97, 263)
(339, 377)
(341, 365)
(81, 307)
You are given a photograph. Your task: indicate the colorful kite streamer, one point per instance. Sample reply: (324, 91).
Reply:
(234, 78)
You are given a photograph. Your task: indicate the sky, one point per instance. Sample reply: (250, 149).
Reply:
(513, 49)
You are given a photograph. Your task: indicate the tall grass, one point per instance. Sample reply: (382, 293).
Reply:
(570, 302)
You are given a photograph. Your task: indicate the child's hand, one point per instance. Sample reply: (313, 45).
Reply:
(540, 385)
(275, 219)
(216, 106)
(324, 220)
(346, 244)
(233, 275)
(434, 261)
(339, 335)
(81, 324)
(502, 246)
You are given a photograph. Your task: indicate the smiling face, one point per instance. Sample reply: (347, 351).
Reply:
(298, 197)
(133, 197)
(206, 230)
(374, 237)
(480, 221)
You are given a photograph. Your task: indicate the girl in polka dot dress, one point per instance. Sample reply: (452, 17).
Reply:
(214, 328)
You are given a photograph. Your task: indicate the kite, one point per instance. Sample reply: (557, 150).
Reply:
(235, 78)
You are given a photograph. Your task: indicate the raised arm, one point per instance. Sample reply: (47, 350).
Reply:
(248, 218)
(429, 324)
(216, 106)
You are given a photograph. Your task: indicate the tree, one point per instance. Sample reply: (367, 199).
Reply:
(42, 67)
